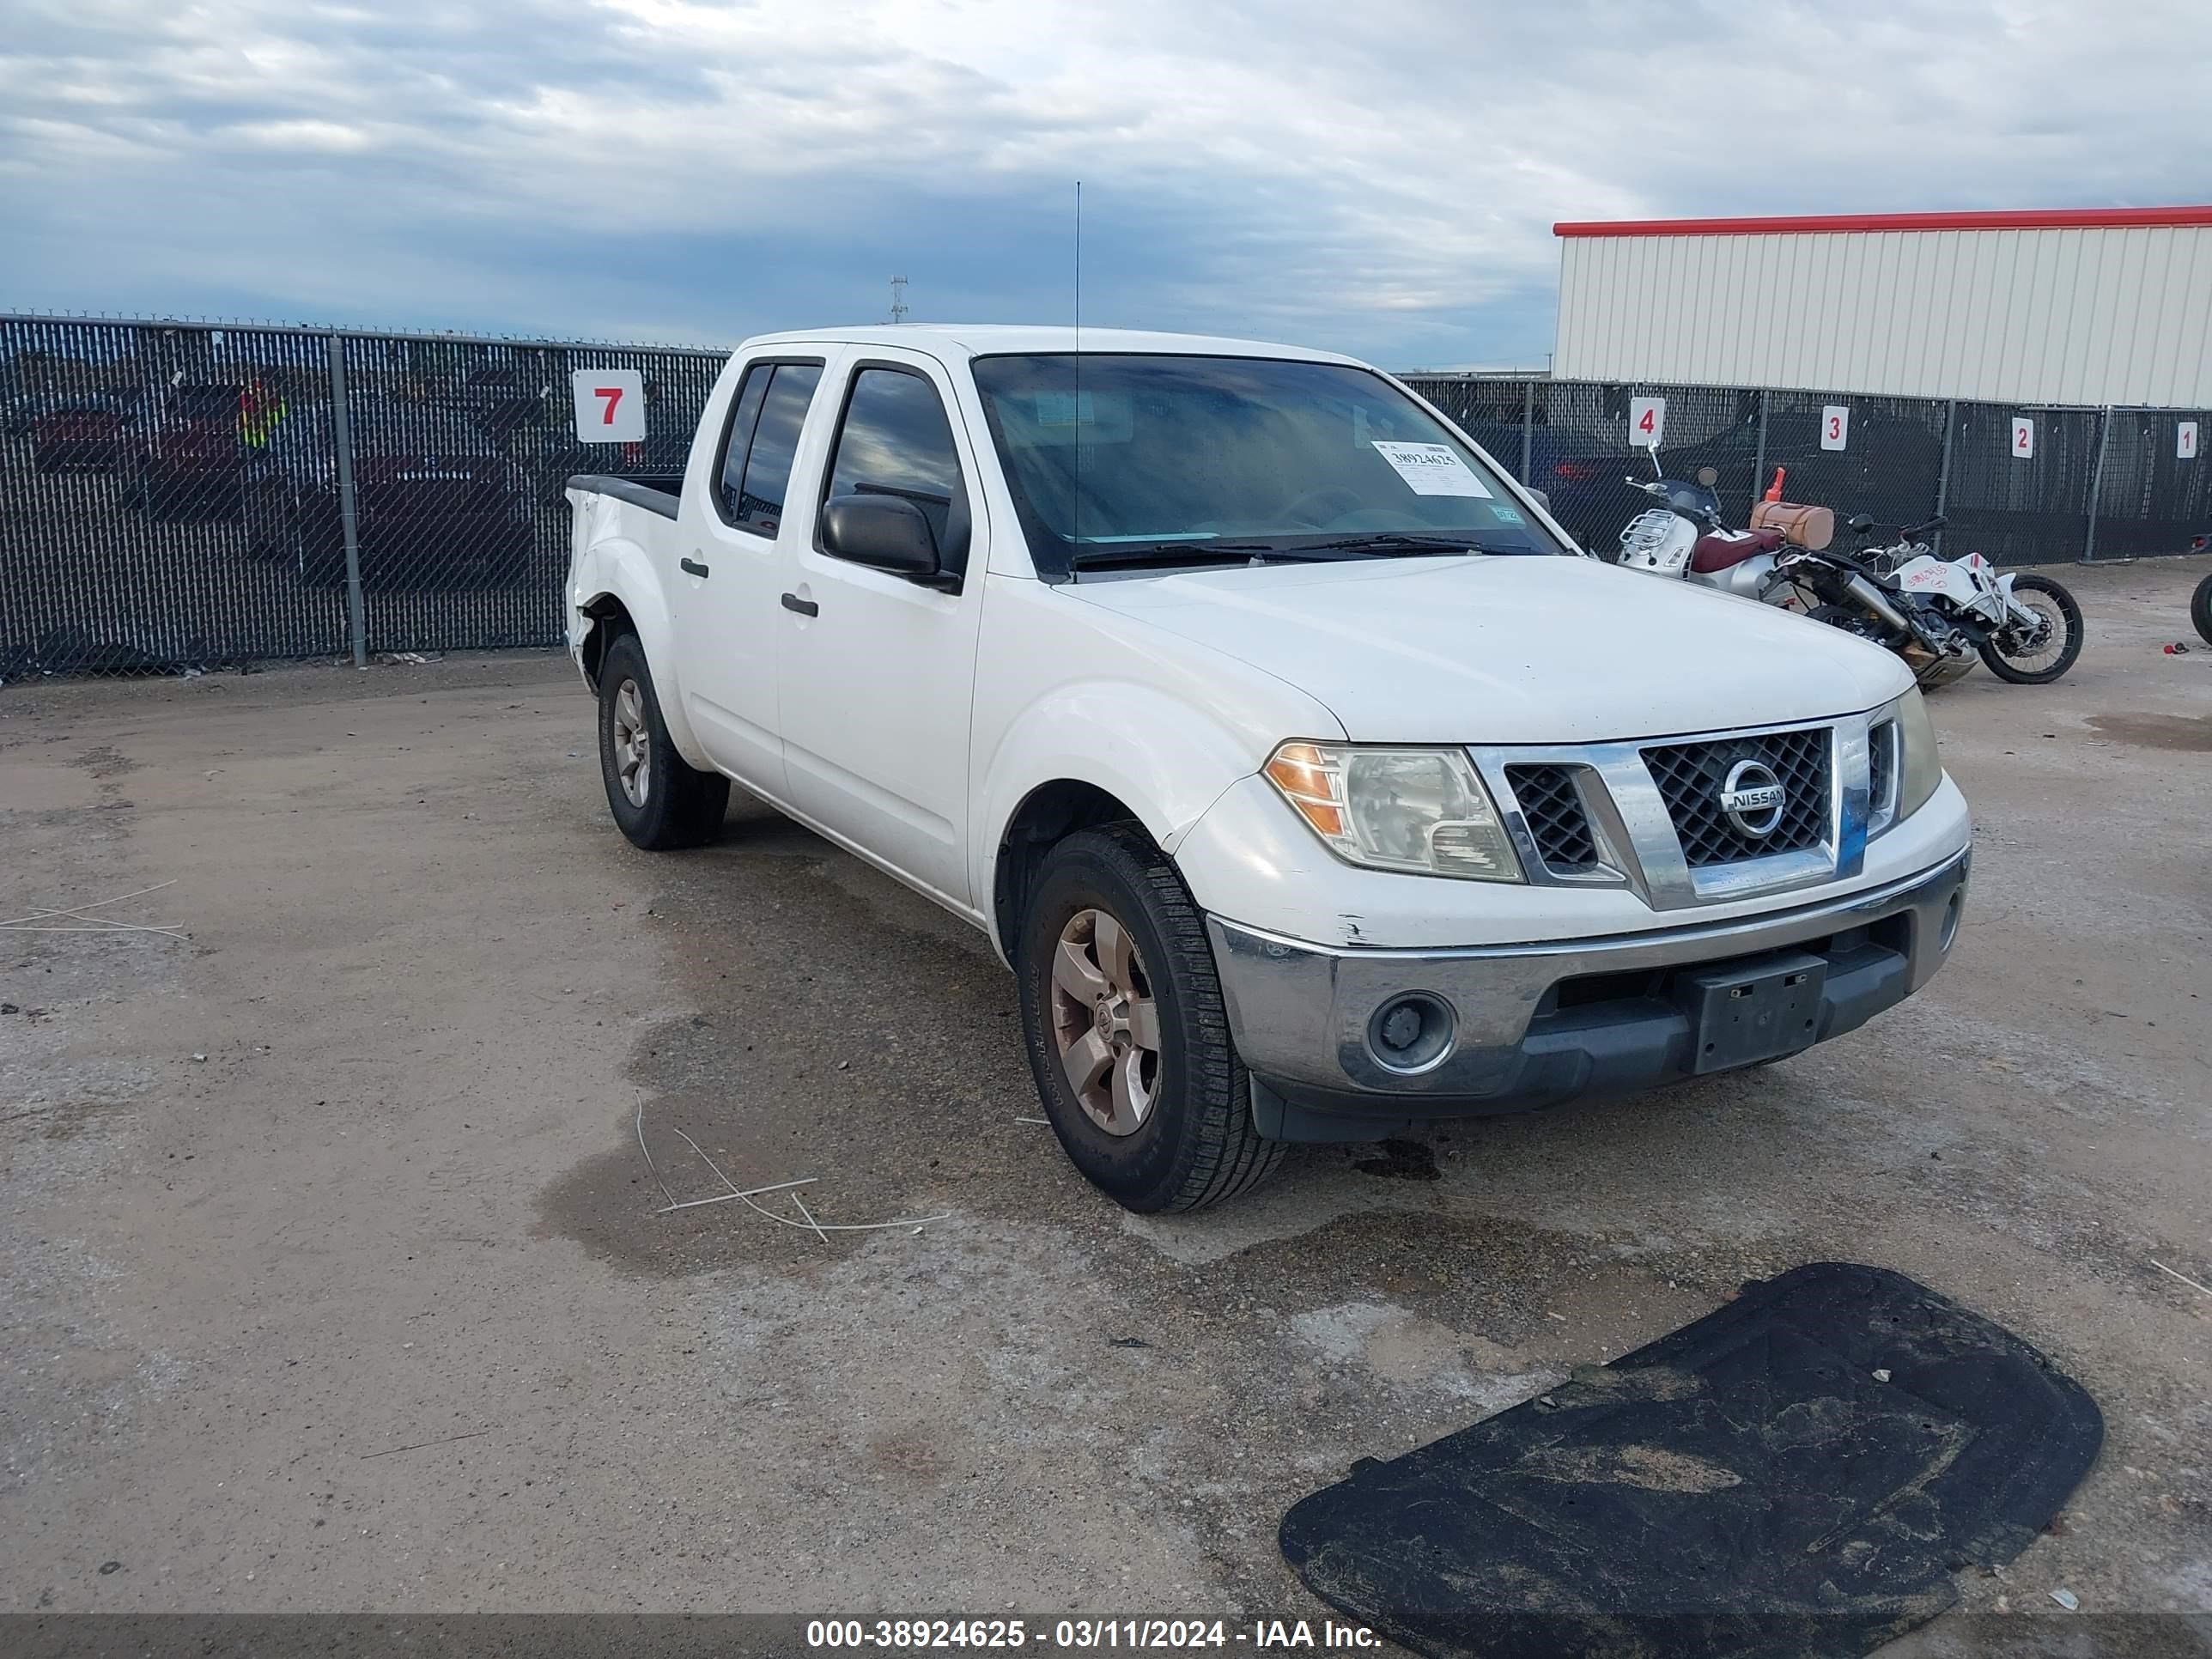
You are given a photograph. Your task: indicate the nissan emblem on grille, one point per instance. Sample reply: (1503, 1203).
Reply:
(1753, 798)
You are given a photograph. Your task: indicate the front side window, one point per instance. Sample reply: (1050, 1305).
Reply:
(1116, 459)
(764, 422)
(896, 441)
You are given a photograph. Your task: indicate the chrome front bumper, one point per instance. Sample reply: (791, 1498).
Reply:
(1531, 1025)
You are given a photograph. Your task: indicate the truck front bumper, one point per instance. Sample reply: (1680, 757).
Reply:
(1346, 1044)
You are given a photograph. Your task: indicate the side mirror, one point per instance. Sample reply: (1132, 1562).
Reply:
(1542, 498)
(884, 532)
(1859, 523)
(1709, 475)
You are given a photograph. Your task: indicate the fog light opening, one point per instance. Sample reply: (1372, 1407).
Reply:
(1952, 911)
(1410, 1032)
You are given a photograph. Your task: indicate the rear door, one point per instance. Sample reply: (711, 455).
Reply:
(877, 671)
(723, 590)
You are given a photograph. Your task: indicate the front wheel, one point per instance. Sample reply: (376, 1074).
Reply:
(659, 800)
(2039, 655)
(2199, 608)
(1126, 1033)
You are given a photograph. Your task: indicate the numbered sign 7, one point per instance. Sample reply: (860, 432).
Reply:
(610, 406)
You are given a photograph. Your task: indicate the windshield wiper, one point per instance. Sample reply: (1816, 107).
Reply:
(1408, 541)
(1097, 558)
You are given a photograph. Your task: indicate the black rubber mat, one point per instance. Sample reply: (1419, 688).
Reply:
(1800, 1471)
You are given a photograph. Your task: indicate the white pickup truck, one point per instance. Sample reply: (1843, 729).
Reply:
(1309, 780)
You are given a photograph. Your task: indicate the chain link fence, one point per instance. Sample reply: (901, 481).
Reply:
(2087, 483)
(177, 495)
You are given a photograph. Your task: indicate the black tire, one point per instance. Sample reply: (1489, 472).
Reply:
(2200, 609)
(1198, 1145)
(2070, 614)
(681, 807)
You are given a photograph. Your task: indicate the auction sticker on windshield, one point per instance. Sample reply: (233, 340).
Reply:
(1431, 469)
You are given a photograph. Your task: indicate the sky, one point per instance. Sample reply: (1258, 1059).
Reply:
(1374, 176)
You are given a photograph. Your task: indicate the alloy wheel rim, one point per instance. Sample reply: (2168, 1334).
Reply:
(633, 744)
(1106, 1023)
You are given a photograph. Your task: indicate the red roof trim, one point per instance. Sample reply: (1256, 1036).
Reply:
(1848, 223)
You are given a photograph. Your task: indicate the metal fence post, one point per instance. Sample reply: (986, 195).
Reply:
(1943, 469)
(1759, 456)
(1528, 425)
(2096, 484)
(342, 436)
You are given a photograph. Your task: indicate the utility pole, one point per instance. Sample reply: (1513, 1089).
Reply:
(898, 299)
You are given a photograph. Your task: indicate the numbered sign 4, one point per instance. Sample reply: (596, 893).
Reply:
(1835, 427)
(2023, 438)
(2185, 441)
(610, 406)
(1647, 421)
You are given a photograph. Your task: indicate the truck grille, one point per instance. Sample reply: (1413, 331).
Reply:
(1557, 822)
(1690, 776)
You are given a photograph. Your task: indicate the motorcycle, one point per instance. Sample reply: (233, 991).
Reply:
(1937, 614)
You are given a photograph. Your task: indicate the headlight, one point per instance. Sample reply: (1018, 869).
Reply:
(1422, 810)
(1919, 769)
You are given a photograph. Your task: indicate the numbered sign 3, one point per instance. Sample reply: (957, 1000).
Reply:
(1647, 421)
(610, 406)
(2023, 438)
(1835, 427)
(2185, 441)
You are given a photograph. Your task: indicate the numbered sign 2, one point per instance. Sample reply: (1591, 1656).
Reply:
(1835, 427)
(2185, 441)
(610, 406)
(2023, 438)
(1647, 421)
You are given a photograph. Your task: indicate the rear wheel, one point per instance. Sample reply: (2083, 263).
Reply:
(2038, 655)
(2199, 608)
(1128, 1036)
(658, 799)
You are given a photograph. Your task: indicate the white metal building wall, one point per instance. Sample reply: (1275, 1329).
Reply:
(2099, 314)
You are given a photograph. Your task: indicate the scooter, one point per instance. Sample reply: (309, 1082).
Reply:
(1684, 536)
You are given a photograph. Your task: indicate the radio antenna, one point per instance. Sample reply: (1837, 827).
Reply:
(1075, 414)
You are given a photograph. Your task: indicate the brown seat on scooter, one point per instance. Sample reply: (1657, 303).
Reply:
(1715, 553)
(1813, 527)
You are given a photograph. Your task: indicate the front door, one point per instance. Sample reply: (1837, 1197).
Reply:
(875, 670)
(723, 592)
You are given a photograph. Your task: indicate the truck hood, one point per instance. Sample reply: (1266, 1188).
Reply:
(1488, 649)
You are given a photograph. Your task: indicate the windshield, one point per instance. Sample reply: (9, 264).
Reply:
(1165, 459)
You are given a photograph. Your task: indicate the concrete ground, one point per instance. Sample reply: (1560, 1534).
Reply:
(334, 1278)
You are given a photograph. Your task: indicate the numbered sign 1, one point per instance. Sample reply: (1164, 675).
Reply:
(2023, 438)
(1835, 427)
(1647, 421)
(2185, 441)
(610, 406)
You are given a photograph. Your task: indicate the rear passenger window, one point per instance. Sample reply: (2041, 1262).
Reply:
(739, 442)
(896, 441)
(771, 407)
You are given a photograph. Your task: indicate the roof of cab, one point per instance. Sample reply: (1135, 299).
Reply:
(990, 339)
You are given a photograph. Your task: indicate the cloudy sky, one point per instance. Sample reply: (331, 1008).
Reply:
(1379, 176)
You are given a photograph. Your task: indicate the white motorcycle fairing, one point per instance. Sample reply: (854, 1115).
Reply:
(1970, 585)
(1659, 541)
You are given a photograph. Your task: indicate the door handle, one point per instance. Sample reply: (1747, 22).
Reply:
(693, 566)
(804, 607)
